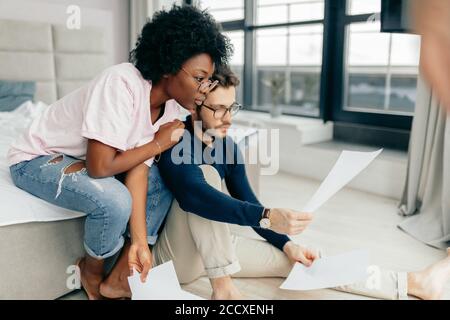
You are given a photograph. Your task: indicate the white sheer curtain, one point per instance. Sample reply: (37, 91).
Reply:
(426, 197)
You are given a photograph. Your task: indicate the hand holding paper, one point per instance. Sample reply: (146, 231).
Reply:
(349, 164)
(342, 269)
(288, 221)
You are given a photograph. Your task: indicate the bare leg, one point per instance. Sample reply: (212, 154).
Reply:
(91, 274)
(116, 286)
(429, 284)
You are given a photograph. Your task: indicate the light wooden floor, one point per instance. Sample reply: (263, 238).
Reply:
(350, 220)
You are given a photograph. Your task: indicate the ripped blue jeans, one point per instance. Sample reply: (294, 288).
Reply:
(106, 201)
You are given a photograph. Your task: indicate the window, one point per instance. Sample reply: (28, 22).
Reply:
(283, 40)
(237, 61)
(288, 65)
(372, 75)
(288, 40)
(222, 11)
(381, 70)
(226, 12)
(363, 6)
(164, 4)
(285, 11)
(323, 58)
(370, 80)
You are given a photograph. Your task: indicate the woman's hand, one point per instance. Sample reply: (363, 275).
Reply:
(288, 221)
(169, 134)
(297, 253)
(140, 258)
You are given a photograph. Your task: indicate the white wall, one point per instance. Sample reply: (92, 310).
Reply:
(112, 15)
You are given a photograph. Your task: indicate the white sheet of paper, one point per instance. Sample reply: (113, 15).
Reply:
(329, 272)
(348, 166)
(161, 284)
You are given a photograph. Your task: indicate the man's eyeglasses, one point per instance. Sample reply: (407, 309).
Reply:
(204, 86)
(220, 113)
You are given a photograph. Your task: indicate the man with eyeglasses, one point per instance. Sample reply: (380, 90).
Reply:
(196, 235)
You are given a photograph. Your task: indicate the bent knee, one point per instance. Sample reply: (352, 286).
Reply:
(122, 204)
(116, 203)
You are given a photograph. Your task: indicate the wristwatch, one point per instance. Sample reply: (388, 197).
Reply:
(264, 223)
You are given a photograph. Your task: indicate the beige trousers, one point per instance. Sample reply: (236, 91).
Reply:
(201, 247)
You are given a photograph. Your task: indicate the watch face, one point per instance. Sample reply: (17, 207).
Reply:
(264, 223)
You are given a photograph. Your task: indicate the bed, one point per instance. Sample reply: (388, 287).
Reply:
(39, 241)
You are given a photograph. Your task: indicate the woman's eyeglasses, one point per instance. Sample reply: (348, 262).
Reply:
(204, 86)
(220, 113)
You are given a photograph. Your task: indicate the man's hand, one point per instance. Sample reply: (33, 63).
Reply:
(297, 253)
(288, 221)
(140, 258)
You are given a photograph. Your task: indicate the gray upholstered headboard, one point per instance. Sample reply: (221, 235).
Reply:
(59, 60)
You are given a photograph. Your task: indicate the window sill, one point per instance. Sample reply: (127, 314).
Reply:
(296, 129)
(385, 176)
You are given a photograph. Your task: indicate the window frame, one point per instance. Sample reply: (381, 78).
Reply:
(252, 28)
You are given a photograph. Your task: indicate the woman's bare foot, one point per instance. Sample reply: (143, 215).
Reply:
(429, 284)
(224, 289)
(116, 284)
(91, 275)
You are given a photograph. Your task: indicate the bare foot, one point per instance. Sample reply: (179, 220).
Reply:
(89, 280)
(224, 289)
(116, 285)
(429, 284)
(115, 288)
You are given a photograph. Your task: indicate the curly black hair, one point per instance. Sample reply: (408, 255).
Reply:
(174, 36)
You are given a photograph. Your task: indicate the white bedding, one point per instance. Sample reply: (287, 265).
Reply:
(18, 206)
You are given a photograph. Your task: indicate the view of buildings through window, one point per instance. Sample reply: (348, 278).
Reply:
(380, 68)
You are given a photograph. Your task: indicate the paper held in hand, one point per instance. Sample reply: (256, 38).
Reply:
(343, 269)
(162, 284)
(328, 272)
(348, 166)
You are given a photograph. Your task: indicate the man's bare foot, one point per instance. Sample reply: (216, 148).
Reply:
(429, 284)
(115, 288)
(224, 289)
(90, 279)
